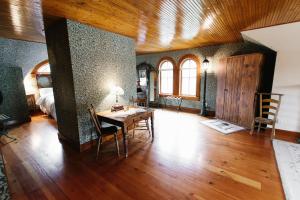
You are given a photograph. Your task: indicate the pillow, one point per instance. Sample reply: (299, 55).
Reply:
(45, 91)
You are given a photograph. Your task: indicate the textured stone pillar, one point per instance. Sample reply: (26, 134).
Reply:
(86, 63)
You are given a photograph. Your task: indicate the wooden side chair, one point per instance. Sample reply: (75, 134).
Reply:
(268, 111)
(103, 131)
(5, 123)
(139, 102)
(140, 124)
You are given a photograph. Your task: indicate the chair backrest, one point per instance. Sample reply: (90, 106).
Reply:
(139, 102)
(94, 119)
(268, 105)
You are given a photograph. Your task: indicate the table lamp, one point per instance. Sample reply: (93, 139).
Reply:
(118, 91)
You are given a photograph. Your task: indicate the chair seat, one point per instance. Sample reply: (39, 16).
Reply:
(109, 130)
(264, 120)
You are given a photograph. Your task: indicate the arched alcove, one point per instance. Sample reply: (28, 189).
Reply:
(30, 79)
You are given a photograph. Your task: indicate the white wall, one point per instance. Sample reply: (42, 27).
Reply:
(285, 39)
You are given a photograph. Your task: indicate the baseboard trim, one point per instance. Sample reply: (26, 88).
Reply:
(88, 145)
(183, 109)
(188, 110)
(288, 132)
(68, 141)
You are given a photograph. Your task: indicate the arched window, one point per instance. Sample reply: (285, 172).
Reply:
(189, 76)
(44, 69)
(166, 77)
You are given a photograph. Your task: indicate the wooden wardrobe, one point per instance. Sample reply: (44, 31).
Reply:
(238, 81)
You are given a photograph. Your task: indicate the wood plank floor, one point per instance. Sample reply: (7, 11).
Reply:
(186, 161)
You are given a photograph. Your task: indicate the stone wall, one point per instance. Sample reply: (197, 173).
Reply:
(214, 54)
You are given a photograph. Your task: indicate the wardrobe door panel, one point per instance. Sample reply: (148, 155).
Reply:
(232, 90)
(248, 88)
(221, 83)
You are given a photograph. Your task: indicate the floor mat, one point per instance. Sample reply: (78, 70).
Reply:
(288, 161)
(222, 126)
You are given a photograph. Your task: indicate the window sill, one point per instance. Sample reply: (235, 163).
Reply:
(191, 98)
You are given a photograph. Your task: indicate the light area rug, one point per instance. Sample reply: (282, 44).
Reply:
(288, 161)
(222, 126)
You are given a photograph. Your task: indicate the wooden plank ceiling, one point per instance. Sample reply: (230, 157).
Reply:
(156, 25)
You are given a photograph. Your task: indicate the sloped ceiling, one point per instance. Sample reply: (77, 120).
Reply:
(285, 38)
(156, 25)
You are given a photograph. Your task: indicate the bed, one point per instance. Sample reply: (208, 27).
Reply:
(46, 99)
(46, 102)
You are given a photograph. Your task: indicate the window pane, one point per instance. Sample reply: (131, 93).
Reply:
(166, 77)
(192, 84)
(185, 65)
(185, 73)
(166, 65)
(44, 69)
(188, 77)
(193, 64)
(185, 86)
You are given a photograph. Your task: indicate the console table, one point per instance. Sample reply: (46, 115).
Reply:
(178, 101)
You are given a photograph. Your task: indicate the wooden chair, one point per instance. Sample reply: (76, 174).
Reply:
(268, 107)
(103, 131)
(5, 123)
(145, 122)
(139, 102)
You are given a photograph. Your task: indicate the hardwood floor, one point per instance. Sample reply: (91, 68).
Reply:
(186, 161)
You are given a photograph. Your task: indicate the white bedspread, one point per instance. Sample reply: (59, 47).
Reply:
(47, 105)
(288, 161)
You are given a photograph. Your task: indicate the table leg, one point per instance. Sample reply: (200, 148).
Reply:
(152, 127)
(125, 142)
(165, 101)
(180, 102)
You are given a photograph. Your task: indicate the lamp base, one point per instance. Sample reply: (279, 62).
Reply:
(117, 107)
(204, 113)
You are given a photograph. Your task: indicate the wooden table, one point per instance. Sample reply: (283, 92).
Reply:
(126, 119)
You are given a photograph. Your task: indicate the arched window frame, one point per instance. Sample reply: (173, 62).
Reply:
(161, 61)
(38, 66)
(197, 61)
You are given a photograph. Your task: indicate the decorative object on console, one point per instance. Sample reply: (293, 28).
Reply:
(118, 91)
(205, 68)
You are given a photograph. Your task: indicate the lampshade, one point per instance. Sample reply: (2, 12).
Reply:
(118, 90)
(205, 64)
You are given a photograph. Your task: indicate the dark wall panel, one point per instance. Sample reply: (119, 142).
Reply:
(12, 88)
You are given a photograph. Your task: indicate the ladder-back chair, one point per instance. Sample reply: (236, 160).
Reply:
(103, 131)
(269, 104)
(142, 102)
